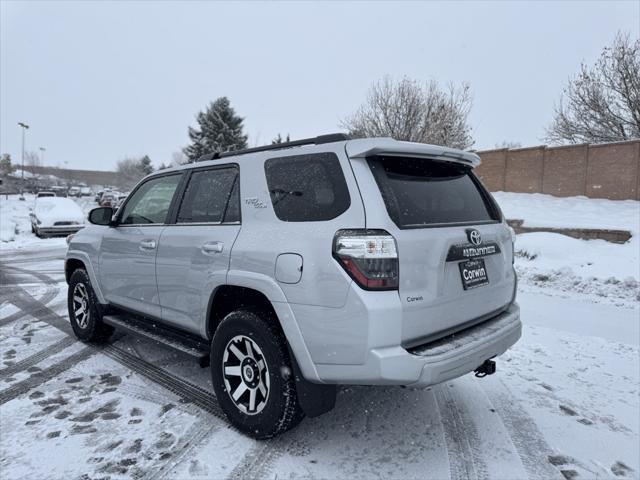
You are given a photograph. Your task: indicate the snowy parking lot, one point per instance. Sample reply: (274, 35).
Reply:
(565, 402)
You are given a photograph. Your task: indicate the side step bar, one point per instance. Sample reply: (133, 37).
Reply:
(182, 342)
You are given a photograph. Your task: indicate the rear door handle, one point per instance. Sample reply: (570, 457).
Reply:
(147, 245)
(213, 247)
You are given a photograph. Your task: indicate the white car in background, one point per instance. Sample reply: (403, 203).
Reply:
(85, 191)
(56, 216)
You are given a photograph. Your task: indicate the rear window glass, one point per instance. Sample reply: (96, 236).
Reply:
(420, 192)
(212, 196)
(307, 188)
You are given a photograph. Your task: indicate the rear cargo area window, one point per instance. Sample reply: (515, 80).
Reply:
(421, 192)
(307, 188)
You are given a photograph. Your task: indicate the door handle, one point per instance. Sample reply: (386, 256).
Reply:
(213, 247)
(147, 245)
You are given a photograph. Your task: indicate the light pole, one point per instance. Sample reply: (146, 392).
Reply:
(25, 127)
(42, 149)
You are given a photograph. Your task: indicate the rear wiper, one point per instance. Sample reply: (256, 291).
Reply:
(284, 194)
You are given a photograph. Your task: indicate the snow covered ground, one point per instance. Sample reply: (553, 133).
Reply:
(565, 402)
(605, 271)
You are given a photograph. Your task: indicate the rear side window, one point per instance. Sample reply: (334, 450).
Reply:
(307, 188)
(420, 193)
(211, 196)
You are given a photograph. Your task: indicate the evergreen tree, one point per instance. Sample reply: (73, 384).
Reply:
(145, 165)
(219, 130)
(279, 139)
(5, 164)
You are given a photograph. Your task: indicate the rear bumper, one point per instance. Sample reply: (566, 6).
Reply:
(435, 362)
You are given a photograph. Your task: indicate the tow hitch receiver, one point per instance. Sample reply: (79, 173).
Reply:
(487, 368)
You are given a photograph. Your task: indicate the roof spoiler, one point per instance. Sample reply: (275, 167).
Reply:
(369, 147)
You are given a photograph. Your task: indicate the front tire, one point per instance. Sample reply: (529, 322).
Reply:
(252, 376)
(85, 312)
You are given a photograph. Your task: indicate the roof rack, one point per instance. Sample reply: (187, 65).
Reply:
(319, 140)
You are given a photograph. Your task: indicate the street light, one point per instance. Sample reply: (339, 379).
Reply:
(25, 127)
(42, 149)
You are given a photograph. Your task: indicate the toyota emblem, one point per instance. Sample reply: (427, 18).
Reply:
(474, 236)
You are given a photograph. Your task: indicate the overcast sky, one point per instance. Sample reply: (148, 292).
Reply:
(99, 81)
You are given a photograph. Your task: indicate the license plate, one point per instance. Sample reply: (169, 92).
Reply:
(473, 273)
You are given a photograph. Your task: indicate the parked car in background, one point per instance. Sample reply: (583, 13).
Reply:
(45, 194)
(109, 199)
(59, 190)
(56, 216)
(74, 191)
(85, 191)
(121, 198)
(100, 193)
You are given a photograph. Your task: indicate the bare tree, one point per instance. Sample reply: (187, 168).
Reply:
(408, 110)
(31, 159)
(602, 103)
(131, 170)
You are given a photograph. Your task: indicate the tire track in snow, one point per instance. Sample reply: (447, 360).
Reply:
(257, 461)
(14, 289)
(36, 358)
(462, 440)
(45, 375)
(533, 449)
(187, 391)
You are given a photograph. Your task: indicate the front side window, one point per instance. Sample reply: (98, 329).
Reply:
(307, 188)
(211, 196)
(419, 192)
(151, 201)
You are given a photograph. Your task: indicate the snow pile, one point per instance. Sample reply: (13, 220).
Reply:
(539, 210)
(564, 264)
(7, 229)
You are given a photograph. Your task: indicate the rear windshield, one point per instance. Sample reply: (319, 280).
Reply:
(420, 193)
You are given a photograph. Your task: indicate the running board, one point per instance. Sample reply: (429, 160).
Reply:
(182, 342)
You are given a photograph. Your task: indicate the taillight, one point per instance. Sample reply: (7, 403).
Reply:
(370, 257)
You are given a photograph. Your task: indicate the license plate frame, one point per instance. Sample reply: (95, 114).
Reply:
(473, 273)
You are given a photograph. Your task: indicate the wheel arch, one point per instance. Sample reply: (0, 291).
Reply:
(229, 297)
(75, 260)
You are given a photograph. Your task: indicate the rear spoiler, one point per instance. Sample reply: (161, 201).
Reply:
(368, 147)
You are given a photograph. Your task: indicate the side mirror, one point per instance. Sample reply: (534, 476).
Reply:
(101, 216)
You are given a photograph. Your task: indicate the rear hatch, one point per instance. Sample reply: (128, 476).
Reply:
(455, 253)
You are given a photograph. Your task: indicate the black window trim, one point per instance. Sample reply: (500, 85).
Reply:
(299, 154)
(490, 203)
(179, 198)
(137, 187)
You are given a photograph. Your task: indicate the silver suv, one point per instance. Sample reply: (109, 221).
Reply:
(296, 267)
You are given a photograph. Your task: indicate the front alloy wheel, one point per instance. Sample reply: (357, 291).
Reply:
(246, 375)
(85, 313)
(81, 305)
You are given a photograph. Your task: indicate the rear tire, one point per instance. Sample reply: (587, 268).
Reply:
(252, 375)
(85, 312)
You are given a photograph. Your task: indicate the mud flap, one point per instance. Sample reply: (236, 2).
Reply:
(315, 399)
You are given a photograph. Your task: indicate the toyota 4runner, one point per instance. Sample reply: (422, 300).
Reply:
(293, 268)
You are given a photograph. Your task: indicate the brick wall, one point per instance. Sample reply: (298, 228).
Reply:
(610, 170)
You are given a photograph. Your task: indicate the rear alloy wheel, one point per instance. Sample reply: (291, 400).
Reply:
(246, 375)
(85, 312)
(252, 376)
